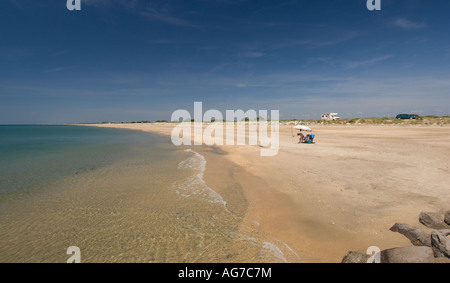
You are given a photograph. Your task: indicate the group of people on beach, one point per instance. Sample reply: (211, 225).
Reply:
(305, 139)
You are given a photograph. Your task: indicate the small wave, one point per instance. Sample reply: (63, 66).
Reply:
(242, 237)
(271, 249)
(195, 185)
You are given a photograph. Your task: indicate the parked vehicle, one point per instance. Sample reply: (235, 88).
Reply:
(330, 116)
(407, 116)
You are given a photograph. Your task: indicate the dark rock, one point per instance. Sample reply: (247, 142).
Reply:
(440, 243)
(411, 254)
(447, 217)
(355, 257)
(432, 221)
(414, 234)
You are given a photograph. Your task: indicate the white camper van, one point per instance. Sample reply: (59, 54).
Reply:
(330, 116)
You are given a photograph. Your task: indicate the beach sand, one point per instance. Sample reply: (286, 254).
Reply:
(343, 193)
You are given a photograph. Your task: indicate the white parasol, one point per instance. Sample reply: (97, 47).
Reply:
(303, 128)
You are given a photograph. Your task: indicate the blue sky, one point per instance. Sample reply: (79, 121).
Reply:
(118, 60)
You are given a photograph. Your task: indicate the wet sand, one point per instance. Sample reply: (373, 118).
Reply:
(342, 193)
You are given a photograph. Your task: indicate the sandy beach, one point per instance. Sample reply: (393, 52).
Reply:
(342, 193)
(164, 132)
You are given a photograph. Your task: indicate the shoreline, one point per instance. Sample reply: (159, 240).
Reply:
(344, 192)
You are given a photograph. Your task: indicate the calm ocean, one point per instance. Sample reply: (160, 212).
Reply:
(120, 196)
(34, 155)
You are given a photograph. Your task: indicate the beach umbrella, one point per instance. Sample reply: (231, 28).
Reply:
(303, 128)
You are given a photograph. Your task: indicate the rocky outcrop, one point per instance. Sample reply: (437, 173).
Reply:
(414, 234)
(355, 257)
(440, 242)
(431, 220)
(412, 254)
(434, 248)
(447, 218)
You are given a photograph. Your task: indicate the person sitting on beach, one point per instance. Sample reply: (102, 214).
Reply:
(301, 137)
(307, 138)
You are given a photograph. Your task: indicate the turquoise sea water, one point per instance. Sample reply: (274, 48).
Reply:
(33, 155)
(121, 196)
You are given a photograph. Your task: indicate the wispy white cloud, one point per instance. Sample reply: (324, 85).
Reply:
(358, 96)
(367, 62)
(253, 54)
(314, 43)
(165, 17)
(147, 9)
(406, 24)
(125, 3)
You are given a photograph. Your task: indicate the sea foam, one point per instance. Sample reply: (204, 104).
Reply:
(195, 185)
(269, 248)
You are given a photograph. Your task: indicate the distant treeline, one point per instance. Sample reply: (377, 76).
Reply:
(421, 120)
(427, 119)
